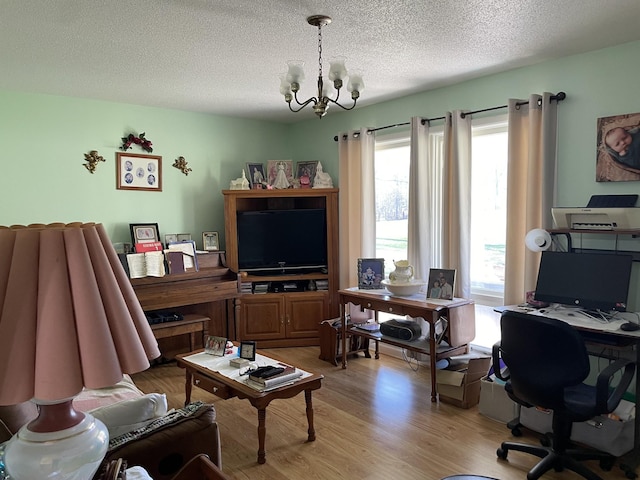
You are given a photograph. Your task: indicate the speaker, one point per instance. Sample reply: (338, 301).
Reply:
(402, 329)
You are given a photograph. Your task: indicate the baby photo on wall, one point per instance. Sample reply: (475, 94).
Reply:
(618, 148)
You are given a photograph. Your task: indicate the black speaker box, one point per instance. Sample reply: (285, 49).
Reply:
(402, 329)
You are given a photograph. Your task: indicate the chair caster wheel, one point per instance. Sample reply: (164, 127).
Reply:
(501, 453)
(516, 432)
(545, 441)
(607, 464)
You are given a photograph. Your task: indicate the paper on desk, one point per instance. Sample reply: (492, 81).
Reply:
(572, 317)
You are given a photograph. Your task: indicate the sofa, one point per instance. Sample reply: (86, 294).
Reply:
(141, 429)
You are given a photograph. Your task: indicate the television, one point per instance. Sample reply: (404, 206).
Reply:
(590, 281)
(282, 241)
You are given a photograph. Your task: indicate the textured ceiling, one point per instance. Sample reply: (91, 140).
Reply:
(225, 56)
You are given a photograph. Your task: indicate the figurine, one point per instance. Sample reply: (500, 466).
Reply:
(322, 179)
(281, 177)
(240, 183)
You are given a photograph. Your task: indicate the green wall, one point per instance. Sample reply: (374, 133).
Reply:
(44, 139)
(42, 178)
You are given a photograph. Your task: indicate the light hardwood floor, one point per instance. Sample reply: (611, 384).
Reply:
(373, 420)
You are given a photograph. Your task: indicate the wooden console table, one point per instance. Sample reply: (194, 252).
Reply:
(460, 314)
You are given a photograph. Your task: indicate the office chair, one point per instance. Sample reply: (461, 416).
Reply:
(547, 363)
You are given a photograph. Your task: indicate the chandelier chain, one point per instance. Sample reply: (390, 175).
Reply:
(320, 50)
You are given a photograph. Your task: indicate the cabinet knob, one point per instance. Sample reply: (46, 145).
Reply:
(368, 305)
(215, 389)
(196, 382)
(390, 309)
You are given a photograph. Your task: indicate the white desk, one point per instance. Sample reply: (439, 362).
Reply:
(610, 330)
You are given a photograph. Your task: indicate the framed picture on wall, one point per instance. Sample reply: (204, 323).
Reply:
(138, 172)
(618, 148)
(370, 273)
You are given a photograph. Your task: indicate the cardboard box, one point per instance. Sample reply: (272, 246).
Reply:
(462, 387)
(612, 436)
(495, 403)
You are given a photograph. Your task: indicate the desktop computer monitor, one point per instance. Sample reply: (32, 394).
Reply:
(590, 281)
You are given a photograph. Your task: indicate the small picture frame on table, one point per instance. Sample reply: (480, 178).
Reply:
(370, 273)
(184, 237)
(170, 238)
(144, 232)
(215, 345)
(306, 173)
(210, 241)
(441, 283)
(247, 350)
(255, 175)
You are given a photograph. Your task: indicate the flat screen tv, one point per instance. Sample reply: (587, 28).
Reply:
(590, 281)
(284, 241)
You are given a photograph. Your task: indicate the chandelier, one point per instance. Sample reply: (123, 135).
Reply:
(290, 82)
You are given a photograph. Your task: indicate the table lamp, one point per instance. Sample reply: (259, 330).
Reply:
(69, 319)
(537, 240)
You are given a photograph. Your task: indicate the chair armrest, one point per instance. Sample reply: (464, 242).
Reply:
(164, 450)
(606, 399)
(200, 468)
(495, 360)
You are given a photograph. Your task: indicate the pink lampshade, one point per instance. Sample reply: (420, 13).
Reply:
(69, 317)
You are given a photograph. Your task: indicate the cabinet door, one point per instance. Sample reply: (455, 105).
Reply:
(262, 317)
(305, 311)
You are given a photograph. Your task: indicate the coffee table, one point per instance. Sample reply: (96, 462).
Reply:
(224, 387)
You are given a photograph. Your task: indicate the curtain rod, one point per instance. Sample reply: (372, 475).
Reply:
(558, 97)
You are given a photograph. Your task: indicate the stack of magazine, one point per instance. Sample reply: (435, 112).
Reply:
(267, 378)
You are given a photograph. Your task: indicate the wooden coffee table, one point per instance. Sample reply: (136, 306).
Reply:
(225, 387)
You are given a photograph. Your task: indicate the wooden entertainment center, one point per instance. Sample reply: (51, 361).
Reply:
(281, 317)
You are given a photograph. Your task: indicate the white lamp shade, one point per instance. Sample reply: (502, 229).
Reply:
(295, 74)
(327, 89)
(337, 70)
(355, 82)
(537, 240)
(285, 86)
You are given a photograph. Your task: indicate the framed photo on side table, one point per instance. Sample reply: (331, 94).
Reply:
(370, 273)
(210, 241)
(138, 172)
(441, 283)
(215, 345)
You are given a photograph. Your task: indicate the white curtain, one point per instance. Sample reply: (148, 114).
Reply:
(456, 235)
(357, 202)
(440, 200)
(531, 187)
(425, 201)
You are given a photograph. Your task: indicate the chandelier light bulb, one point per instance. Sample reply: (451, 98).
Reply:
(327, 89)
(355, 82)
(285, 86)
(295, 74)
(337, 70)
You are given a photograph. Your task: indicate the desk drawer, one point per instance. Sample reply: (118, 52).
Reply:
(382, 306)
(211, 385)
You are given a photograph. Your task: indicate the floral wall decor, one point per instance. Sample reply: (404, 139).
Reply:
(181, 164)
(144, 143)
(92, 158)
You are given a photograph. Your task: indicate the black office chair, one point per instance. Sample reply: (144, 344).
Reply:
(547, 362)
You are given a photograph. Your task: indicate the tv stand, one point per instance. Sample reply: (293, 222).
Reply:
(276, 314)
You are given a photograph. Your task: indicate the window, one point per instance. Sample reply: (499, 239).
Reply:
(488, 209)
(392, 198)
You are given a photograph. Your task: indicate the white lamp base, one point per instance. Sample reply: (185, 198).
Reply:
(73, 453)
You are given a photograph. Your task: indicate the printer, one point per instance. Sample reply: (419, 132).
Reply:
(585, 218)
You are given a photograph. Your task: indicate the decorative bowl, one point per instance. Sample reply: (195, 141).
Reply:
(403, 289)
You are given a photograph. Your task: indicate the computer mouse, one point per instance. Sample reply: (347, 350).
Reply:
(629, 327)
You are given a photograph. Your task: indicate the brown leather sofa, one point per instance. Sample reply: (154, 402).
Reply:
(162, 448)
